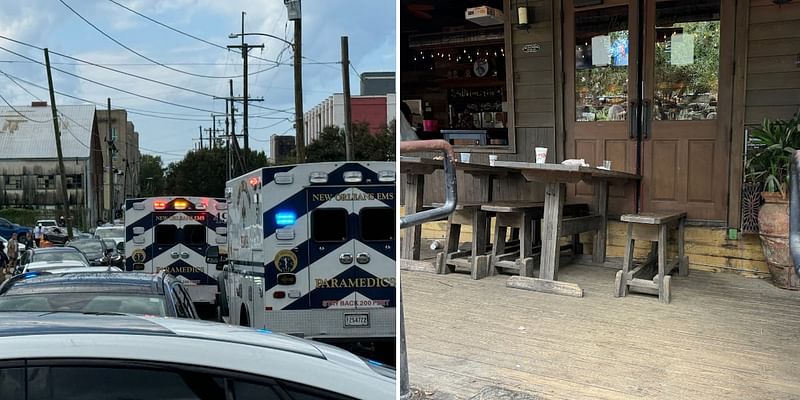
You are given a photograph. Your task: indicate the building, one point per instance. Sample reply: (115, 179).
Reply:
(125, 158)
(281, 148)
(376, 111)
(665, 89)
(377, 83)
(29, 171)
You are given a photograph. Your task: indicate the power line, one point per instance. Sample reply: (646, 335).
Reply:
(21, 87)
(140, 54)
(282, 64)
(21, 114)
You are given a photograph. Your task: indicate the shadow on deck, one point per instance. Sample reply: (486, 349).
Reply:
(722, 337)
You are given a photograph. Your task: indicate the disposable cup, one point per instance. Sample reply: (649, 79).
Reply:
(541, 155)
(607, 164)
(492, 159)
(464, 157)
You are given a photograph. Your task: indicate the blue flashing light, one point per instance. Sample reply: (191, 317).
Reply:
(375, 363)
(262, 330)
(31, 275)
(285, 218)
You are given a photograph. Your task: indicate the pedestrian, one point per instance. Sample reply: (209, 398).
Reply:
(37, 234)
(13, 251)
(3, 258)
(62, 222)
(29, 240)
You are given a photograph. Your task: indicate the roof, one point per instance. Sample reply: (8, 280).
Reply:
(33, 137)
(117, 282)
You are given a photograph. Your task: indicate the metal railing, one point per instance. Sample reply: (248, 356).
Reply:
(794, 211)
(451, 199)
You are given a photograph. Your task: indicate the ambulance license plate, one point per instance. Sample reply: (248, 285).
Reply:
(356, 320)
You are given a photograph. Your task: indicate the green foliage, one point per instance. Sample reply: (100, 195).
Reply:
(151, 176)
(203, 172)
(330, 146)
(772, 146)
(702, 75)
(23, 216)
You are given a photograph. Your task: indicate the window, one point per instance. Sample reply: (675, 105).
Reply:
(45, 182)
(180, 302)
(166, 234)
(329, 225)
(187, 302)
(194, 235)
(12, 383)
(75, 181)
(113, 133)
(377, 223)
(13, 181)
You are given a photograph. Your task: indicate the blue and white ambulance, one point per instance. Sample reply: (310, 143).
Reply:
(312, 250)
(173, 233)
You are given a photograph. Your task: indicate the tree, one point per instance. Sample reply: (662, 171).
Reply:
(151, 176)
(330, 146)
(203, 172)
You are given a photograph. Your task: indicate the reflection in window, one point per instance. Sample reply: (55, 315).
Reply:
(687, 61)
(601, 64)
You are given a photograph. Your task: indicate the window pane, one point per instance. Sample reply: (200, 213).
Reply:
(601, 64)
(687, 60)
(194, 234)
(106, 383)
(166, 234)
(254, 391)
(329, 225)
(377, 223)
(12, 383)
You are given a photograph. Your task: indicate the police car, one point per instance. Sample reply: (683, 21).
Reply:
(312, 250)
(172, 234)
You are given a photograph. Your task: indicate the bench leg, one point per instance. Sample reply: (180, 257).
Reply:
(479, 228)
(450, 246)
(683, 261)
(499, 246)
(627, 261)
(663, 278)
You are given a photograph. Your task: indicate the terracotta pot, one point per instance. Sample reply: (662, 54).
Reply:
(773, 224)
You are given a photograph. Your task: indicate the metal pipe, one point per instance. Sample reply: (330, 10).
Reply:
(450, 187)
(794, 211)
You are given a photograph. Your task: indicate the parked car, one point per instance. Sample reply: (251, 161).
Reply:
(8, 228)
(96, 251)
(117, 256)
(51, 257)
(116, 232)
(98, 292)
(135, 357)
(55, 235)
(46, 223)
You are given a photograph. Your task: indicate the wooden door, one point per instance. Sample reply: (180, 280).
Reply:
(685, 137)
(601, 94)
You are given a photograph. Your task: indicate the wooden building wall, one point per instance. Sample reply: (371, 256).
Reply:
(773, 61)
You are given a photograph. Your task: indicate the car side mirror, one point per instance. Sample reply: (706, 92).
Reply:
(121, 247)
(212, 255)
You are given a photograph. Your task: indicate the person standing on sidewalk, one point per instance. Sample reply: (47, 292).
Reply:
(13, 252)
(37, 234)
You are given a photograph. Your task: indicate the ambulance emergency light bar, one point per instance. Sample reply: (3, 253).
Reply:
(178, 204)
(285, 218)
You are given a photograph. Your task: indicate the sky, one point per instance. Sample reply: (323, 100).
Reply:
(169, 130)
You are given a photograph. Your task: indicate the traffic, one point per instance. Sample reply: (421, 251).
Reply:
(298, 257)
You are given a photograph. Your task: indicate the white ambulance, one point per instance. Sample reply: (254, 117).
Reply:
(312, 250)
(173, 233)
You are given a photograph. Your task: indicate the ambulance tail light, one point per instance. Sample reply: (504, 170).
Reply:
(386, 176)
(159, 204)
(318, 177)
(202, 205)
(279, 295)
(180, 204)
(352, 176)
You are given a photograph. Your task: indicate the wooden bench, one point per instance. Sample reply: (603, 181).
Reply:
(524, 220)
(474, 259)
(653, 227)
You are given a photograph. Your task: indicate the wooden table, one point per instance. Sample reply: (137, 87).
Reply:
(415, 169)
(555, 177)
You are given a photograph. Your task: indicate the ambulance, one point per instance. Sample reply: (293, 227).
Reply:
(173, 233)
(312, 250)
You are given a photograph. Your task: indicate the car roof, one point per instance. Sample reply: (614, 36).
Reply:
(88, 281)
(189, 342)
(65, 249)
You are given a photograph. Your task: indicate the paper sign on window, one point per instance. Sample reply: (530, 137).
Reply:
(682, 51)
(601, 56)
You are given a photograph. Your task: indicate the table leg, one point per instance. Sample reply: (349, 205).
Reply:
(553, 208)
(601, 208)
(414, 190)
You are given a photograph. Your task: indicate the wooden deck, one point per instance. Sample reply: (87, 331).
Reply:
(722, 337)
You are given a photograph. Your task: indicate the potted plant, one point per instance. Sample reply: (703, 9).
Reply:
(771, 148)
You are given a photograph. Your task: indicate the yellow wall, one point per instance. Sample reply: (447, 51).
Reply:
(708, 249)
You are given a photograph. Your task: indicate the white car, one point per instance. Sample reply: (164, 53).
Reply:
(46, 223)
(114, 356)
(52, 266)
(116, 232)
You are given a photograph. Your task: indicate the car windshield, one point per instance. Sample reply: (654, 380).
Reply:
(57, 256)
(85, 302)
(110, 233)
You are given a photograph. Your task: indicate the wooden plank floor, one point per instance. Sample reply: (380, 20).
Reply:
(722, 337)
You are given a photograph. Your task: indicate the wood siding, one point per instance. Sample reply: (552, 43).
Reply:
(773, 72)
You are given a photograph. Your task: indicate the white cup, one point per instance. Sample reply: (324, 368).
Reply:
(492, 159)
(541, 155)
(464, 157)
(607, 164)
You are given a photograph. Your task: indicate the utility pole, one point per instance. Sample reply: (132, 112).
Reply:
(110, 141)
(299, 128)
(213, 144)
(245, 49)
(64, 197)
(348, 126)
(227, 140)
(209, 132)
(201, 137)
